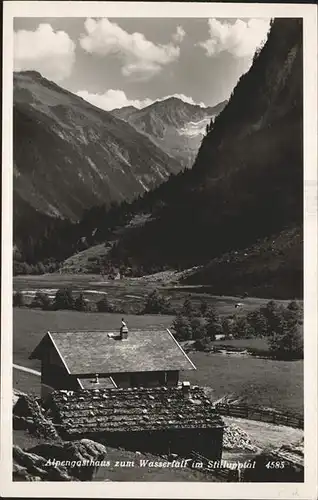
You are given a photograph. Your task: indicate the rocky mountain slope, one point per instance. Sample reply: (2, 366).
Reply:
(70, 155)
(175, 126)
(246, 184)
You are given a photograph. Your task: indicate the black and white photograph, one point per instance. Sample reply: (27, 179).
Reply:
(159, 319)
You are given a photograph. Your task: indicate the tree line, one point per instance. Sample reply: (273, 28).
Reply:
(280, 325)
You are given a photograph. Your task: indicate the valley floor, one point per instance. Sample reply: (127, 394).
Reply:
(264, 382)
(131, 292)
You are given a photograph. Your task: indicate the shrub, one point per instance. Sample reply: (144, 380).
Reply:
(156, 304)
(91, 306)
(227, 329)
(257, 323)
(213, 325)
(188, 308)
(18, 299)
(240, 327)
(203, 307)
(104, 305)
(41, 300)
(63, 299)
(181, 326)
(80, 303)
(197, 328)
(273, 314)
(203, 344)
(295, 308)
(286, 341)
(41, 268)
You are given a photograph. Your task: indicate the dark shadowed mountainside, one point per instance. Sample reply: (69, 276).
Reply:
(246, 184)
(70, 155)
(175, 126)
(272, 267)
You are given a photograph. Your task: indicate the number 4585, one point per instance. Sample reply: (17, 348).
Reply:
(275, 465)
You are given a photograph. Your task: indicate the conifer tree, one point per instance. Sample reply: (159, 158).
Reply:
(213, 325)
(63, 299)
(80, 303)
(182, 328)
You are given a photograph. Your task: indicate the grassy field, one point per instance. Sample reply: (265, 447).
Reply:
(253, 343)
(271, 383)
(264, 382)
(26, 382)
(132, 292)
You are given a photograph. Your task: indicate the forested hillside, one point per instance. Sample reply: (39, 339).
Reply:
(246, 183)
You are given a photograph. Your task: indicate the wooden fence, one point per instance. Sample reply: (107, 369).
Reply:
(263, 415)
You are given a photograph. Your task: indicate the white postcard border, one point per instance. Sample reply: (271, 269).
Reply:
(306, 490)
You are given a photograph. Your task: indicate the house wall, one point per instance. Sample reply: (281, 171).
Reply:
(205, 441)
(173, 378)
(122, 379)
(146, 379)
(54, 374)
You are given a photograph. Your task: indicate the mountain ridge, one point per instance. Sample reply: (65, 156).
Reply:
(57, 131)
(174, 125)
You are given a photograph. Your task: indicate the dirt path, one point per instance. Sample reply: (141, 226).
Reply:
(265, 435)
(28, 370)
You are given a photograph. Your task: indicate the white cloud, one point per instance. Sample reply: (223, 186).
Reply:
(239, 39)
(112, 99)
(179, 35)
(51, 53)
(140, 57)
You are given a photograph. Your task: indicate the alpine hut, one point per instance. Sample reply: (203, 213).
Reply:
(109, 359)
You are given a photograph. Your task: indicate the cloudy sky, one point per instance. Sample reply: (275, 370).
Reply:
(116, 62)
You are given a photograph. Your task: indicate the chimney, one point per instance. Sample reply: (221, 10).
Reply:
(186, 389)
(123, 330)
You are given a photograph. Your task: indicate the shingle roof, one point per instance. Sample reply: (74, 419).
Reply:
(111, 410)
(102, 351)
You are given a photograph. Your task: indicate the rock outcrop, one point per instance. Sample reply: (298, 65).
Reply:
(236, 438)
(28, 415)
(69, 461)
